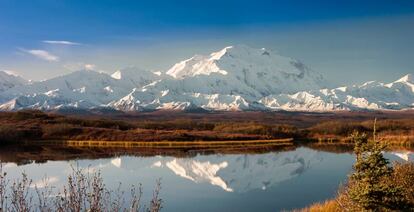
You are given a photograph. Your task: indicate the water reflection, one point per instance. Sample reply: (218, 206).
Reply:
(270, 180)
(405, 155)
(41, 153)
(198, 171)
(243, 173)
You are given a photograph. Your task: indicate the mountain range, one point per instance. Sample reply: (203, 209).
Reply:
(236, 78)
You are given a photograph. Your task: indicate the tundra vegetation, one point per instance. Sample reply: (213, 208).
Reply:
(36, 125)
(374, 185)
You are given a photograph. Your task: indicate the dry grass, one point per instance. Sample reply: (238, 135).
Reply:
(36, 125)
(405, 138)
(183, 144)
(327, 206)
(402, 177)
(82, 192)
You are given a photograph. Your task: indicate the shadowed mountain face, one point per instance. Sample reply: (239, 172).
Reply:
(8, 81)
(234, 78)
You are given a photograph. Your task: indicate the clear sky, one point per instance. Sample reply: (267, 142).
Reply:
(349, 41)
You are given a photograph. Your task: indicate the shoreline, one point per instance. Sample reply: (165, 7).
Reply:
(159, 144)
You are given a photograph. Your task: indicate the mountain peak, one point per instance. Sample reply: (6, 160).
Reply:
(11, 76)
(9, 80)
(239, 50)
(407, 78)
(117, 75)
(9, 73)
(221, 53)
(220, 62)
(133, 72)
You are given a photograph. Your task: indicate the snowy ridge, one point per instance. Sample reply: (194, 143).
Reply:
(9, 80)
(243, 70)
(81, 89)
(372, 95)
(236, 78)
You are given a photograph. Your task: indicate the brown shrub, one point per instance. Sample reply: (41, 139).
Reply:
(179, 124)
(403, 176)
(345, 128)
(97, 123)
(327, 206)
(273, 131)
(338, 128)
(58, 131)
(29, 114)
(82, 192)
(12, 133)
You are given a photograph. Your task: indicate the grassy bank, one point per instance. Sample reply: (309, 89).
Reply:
(36, 125)
(402, 177)
(373, 185)
(398, 131)
(182, 144)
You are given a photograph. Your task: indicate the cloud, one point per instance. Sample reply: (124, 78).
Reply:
(41, 54)
(79, 66)
(61, 42)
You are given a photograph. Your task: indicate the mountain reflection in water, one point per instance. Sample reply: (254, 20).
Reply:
(272, 179)
(242, 173)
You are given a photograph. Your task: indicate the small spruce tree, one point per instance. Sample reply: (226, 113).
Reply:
(368, 187)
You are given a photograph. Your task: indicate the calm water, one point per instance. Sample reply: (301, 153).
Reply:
(269, 181)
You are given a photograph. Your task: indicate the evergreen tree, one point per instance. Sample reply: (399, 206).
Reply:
(369, 188)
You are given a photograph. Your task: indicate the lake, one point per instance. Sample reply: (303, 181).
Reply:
(270, 180)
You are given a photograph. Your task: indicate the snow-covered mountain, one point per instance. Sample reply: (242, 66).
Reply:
(372, 95)
(134, 77)
(81, 89)
(234, 78)
(8, 80)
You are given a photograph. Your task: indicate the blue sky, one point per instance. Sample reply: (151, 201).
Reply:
(337, 38)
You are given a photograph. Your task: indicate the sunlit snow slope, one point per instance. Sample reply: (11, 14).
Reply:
(234, 78)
